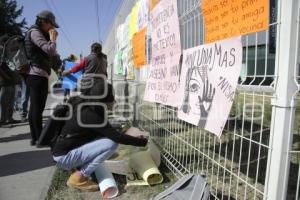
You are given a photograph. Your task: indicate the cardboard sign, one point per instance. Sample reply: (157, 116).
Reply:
(139, 48)
(162, 83)
(208, 81)
(228, 18)
(70, 81)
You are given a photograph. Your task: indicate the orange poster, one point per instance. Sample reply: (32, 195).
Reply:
(228, 18)
(139, 48)
(153, 3)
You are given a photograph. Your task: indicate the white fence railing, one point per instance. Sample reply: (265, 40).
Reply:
(258, 154)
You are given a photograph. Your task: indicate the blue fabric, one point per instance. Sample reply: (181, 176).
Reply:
(87, 157)
(70, 81)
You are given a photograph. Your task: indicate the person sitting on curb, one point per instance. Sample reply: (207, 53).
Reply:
(88, 138)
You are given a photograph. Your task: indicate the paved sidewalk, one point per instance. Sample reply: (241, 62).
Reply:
(25, 171)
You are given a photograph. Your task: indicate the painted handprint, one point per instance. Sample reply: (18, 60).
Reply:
(205, 102)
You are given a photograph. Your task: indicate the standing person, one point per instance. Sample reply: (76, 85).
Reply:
(8, 81)
(40, 44)
(23, 98)
(93, 64)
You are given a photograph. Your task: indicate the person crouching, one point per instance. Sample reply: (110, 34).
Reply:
(88, 138)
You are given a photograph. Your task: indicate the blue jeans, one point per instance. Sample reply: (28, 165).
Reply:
(88, 156)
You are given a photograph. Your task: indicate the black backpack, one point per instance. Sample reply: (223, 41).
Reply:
(52, 128)
(8, 77)
(15, 55)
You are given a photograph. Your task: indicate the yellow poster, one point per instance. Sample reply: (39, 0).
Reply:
(153, 3)
(133, 24)
(139, 48)
(228, 18)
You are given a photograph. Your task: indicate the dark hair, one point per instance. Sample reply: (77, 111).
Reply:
(97, 49)
(39, 21)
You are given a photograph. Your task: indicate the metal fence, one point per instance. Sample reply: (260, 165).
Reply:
(258, 154)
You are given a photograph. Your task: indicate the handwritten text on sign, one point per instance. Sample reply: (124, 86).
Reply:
(162, 83)
(208, 81)
(228, 18)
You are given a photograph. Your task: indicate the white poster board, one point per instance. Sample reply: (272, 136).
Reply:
(208, 81)
(162, 83)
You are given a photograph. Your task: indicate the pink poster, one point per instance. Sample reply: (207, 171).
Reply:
(208, 81)
(162, 83)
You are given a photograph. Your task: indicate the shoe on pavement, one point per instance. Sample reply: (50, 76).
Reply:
(82, 183)
(2, 123)
(13, 121)
(32, 142)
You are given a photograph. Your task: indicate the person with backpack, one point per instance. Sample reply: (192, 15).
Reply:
(40, 45)
(94, 67)
(87, 139)
(8, 81)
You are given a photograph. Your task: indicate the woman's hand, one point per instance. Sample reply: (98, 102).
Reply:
(53, 35)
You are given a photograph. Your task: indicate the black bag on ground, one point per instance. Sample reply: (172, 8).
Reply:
(191, 187)
(52, 128)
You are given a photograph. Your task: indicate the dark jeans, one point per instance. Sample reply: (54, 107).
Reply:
(7, 95)
(38, 92)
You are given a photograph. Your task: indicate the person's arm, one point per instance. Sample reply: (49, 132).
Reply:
(122, 138)
(76, 68)
(49, 47)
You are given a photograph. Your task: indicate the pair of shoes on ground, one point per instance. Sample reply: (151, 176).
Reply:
(78, 181)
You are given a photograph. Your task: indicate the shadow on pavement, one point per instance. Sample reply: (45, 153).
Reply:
(23, 136)
(16, 163)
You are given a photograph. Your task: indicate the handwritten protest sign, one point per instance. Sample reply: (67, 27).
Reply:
(153, 3)
(126, 31)
(228, 18)
(162, 83)
(118, 67)
(120, 37)
(70, 81)
(127, 62)
(139, 48)
(208, 81)
(143, 14)
(133, 20)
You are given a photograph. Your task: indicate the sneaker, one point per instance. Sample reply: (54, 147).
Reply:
(2, 123)
(32, 142)
(82, 183)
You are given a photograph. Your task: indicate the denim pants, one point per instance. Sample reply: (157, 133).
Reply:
(87, 157)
